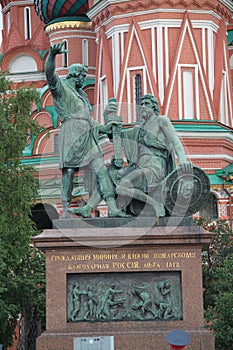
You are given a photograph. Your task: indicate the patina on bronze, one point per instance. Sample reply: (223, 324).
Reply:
(150, 149)
(150, 177)
(78, 138)
(186, 193)
(124, 297)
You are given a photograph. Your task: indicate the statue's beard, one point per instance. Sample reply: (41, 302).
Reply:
(146, 113)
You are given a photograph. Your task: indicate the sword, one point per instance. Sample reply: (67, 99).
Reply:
(116, 136)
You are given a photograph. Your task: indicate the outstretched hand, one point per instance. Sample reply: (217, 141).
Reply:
(57, 48)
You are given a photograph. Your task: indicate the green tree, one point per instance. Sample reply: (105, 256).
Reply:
(218, 282)
(220, 315)
(18, 190)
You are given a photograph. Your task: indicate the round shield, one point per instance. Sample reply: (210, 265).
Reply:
(186, 192)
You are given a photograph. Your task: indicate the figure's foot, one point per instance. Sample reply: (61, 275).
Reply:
(162, 213)
(85, 211)
(118, 214)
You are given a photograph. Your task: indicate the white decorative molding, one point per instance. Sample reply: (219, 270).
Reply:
(116, 61)
(154, 68)
(17, 3)
(101, 5)
(225, 135)
(75, 34)
(27, 23)
(98, 82)
(44, 166)
(125, 67)
(113, 18)
(183, 102)
(176, 23)
(117, 29)
(204, 57)
(228, 87)
(166, 53)
(187, 29)
(67, 24)
(227, 3)
(205, 24)
(160, 51)
(210, 156)
(211, 56)
(20, 77)
(104, 4)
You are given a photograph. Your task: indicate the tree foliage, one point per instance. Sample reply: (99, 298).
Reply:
(218, 282)
(21, 266)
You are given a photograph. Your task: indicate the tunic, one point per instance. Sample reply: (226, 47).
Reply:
(78, 138)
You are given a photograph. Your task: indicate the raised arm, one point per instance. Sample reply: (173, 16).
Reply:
(50, 64)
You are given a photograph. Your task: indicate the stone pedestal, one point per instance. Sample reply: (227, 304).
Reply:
(98, 249)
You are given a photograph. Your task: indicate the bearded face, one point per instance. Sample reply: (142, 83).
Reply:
(146, 109)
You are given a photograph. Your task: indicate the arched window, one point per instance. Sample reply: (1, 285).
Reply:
(22, 64)
(27, 23)
(231, 62)
(138, 94)
(188, 94)
(8, 21)
(85, 52)
(223, 99)
(103, 94)
(65, 55)
(188, 101)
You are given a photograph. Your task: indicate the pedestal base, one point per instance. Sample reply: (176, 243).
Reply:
(201, 339)
(139, 260)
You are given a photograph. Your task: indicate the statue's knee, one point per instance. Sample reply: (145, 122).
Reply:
(121, 189)
(118, 189)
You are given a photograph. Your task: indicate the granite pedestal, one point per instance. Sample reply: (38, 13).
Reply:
(124, 250)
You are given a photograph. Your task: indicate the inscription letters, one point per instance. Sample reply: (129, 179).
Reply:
(124, 261)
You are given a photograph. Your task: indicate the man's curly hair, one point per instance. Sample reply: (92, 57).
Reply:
(75, 69)
(154, 101)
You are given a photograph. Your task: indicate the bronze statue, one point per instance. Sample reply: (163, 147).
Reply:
(150, 149)
(78, 139)
(151, 176)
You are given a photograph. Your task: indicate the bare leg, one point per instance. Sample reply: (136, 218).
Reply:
(141, 196)
(66, 190)
(104, 189)
(128, 187)
(85, 211)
